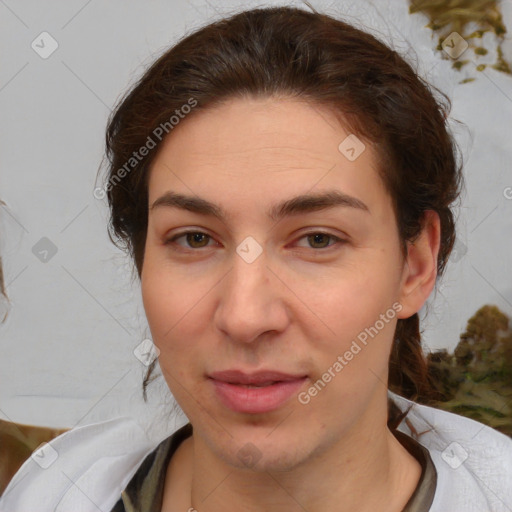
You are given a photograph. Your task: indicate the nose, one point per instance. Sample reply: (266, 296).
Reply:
(252, 300)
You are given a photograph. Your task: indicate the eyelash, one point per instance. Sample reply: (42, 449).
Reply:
(172, 241)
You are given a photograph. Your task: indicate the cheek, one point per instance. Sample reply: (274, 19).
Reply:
(353, 298)
(162, 293)
(155, 300)
(359, 320)
(172, 310)
(163, 304)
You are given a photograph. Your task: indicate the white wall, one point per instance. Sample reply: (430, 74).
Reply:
(74, 321)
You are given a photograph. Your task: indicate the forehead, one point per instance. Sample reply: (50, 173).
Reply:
(250, 149)
(273, 128)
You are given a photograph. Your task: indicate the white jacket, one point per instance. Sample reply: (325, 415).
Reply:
(86, 468)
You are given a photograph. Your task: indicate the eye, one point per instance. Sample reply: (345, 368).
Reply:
(192, 237)
(197, 239)
(319, 237)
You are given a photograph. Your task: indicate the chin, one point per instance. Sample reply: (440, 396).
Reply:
(262, 454)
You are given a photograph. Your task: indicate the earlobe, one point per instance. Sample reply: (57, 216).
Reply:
(420, 268)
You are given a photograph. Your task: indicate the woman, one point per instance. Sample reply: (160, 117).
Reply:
(283, 182)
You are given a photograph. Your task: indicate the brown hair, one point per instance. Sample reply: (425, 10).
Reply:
(286, 51)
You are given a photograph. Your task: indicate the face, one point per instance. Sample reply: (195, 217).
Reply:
(312, 293)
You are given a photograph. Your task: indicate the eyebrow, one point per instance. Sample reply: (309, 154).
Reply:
(295, 206)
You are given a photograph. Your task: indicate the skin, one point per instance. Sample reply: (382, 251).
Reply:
(295, 309)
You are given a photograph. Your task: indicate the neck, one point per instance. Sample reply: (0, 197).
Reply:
(365, 470)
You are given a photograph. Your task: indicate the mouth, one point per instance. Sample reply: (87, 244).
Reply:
(250, 386)
(255, 393)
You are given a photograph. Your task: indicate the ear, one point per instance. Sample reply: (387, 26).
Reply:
(420, 268)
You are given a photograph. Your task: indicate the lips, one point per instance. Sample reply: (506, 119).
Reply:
(261, 378)
(259, 392)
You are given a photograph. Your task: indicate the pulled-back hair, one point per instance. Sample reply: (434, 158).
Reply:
(289, 52)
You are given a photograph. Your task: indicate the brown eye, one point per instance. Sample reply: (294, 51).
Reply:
(194, 239)
(319, 240)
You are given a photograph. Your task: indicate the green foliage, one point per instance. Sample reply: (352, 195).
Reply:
(476, 380)
(447, 16)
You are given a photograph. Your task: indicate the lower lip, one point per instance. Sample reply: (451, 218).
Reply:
(256, 400)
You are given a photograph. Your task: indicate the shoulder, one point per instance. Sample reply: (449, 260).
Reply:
(83, 469)
(473, 460)
(145, 488)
